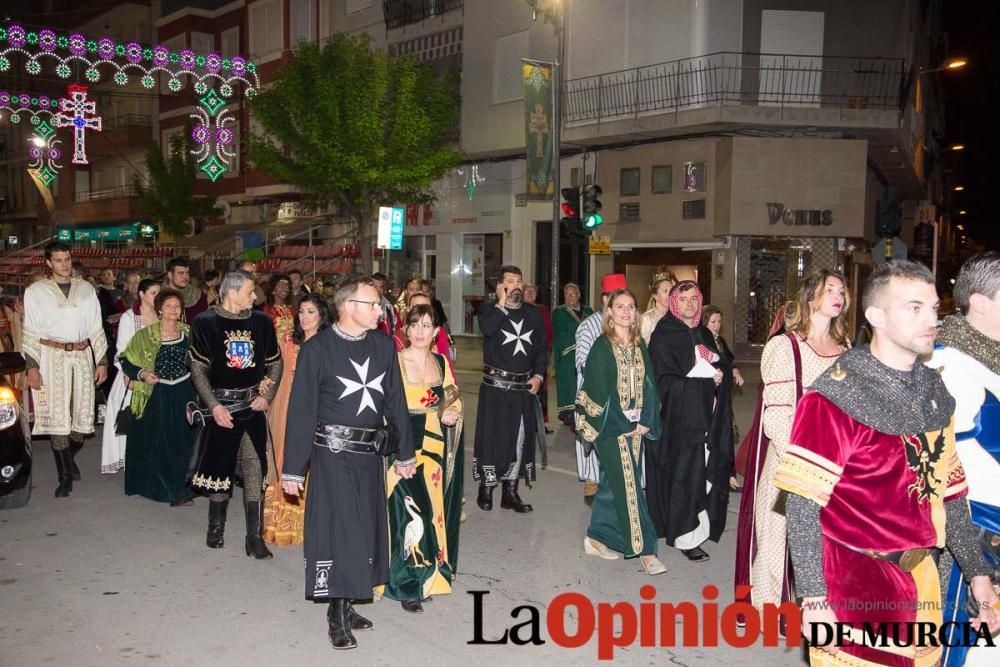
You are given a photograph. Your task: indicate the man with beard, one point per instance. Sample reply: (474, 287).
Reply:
(876, 489)
(347, 397)
(587, 466)
(687, 474)
(508, 423)
(179, 278)
(234, 348)
(968, 358)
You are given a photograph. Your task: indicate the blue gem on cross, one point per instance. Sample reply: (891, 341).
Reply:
(79, 122)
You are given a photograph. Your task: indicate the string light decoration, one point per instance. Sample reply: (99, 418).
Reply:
(121, 59)
(213, 135)
(31, 104)
(45, 153)
(78, 113)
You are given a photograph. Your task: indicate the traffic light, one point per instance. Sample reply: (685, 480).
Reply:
(591, 207)
(571, 208)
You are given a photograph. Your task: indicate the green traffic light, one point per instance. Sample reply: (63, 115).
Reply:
(593, 220)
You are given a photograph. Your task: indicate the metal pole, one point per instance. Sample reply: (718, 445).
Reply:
(556, 154)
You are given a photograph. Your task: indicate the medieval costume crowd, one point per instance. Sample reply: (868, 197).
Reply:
(870, 473)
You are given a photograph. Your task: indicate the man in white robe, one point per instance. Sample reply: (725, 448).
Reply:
(63, 342)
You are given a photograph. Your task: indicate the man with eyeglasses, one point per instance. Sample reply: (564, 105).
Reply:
(346, 414)
(509, 421)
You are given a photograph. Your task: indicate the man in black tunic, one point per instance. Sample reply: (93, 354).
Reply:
(232, 350)
(687, 488)
(515, 355)
(347, 396)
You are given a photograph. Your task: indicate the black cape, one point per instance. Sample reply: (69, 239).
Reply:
(676, 470)
(513, 341)
(350, 383)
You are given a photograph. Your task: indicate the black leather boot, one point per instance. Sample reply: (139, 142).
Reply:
(216, 523)
(340, 630)
(511, 501)
(63, 459)
(358, 622)
(74, 447)
(485, 499)
(255, 519)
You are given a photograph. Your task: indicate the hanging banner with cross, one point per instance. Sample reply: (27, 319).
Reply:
(78, 113)
(537, 79)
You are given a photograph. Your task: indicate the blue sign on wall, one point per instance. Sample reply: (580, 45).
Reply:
(396, 229)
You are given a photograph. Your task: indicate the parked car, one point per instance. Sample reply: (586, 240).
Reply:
(15, 438)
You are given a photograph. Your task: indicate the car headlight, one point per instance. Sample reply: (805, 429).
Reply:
(8, 407)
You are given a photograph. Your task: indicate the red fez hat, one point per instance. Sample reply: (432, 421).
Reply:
(611, 282)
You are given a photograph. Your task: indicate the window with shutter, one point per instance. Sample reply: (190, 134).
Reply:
(693, 209)
(230, 42)
(507, 54)
(629, 185)
(628, 212)
(662, 175)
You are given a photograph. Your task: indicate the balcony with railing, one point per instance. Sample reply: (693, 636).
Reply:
(399, 13)
(740, 86)
(116, 203)
(130, 132)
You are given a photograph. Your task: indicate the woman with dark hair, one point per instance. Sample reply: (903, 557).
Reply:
(815, 336)
(711, 319)
(279, 307)
(425, 510)
(141, 314)
(160, 440)
(284, 516)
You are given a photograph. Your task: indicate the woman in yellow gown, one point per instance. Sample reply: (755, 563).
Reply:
(425, 511)
(284, 516)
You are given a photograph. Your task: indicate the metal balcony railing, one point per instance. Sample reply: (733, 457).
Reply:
(126, 120)
(738, 79)
(117, 192)
(399, 13)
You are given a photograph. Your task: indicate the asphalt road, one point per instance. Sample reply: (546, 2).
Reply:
(101, 578)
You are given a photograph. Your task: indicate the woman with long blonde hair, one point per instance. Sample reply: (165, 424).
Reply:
(617, 411)
(659, 301)
(816, 326)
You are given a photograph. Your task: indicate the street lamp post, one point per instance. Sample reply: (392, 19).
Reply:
(557, 151)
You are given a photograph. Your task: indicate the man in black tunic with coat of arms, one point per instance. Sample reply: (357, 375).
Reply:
(508, 421)
(346, 412)
(232, 350)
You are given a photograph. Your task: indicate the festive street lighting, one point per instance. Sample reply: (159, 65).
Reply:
(958, 188)
(957, 147)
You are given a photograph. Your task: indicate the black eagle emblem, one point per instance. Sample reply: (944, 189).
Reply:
(923, 458)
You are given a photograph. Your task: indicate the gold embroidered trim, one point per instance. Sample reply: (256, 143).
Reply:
(584, 429)
(221, 484)
(631, 371)
(804, 478)
(589, 406)
(631, 498)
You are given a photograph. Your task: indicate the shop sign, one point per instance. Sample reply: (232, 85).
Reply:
(599, 245)
(778, 212)
(464, 221)
(390, 227)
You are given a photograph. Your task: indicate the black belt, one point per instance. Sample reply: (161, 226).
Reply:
(505, 385)
(230, 395)
(338, 438)
(507, 376)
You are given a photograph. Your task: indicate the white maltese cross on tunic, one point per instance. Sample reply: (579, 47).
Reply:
(518, 338)
(354, 386)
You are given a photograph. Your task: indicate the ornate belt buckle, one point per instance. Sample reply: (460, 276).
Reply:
(68, 347)
(911, 558)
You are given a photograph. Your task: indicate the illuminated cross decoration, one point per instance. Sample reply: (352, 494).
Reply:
(74, 114)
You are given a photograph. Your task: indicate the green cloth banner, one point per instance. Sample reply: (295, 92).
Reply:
(537, 79)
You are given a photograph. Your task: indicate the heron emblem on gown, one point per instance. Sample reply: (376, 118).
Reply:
(412, 534)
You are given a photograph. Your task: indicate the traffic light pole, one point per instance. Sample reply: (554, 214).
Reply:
(557, 154)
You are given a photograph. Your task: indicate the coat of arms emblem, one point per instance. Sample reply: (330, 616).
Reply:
(239, 350)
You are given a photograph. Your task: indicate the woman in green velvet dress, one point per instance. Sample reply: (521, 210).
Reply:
(617, 410)
(159, 440)
(425, 510)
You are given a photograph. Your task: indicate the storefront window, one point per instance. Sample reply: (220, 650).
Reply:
(482, 257)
